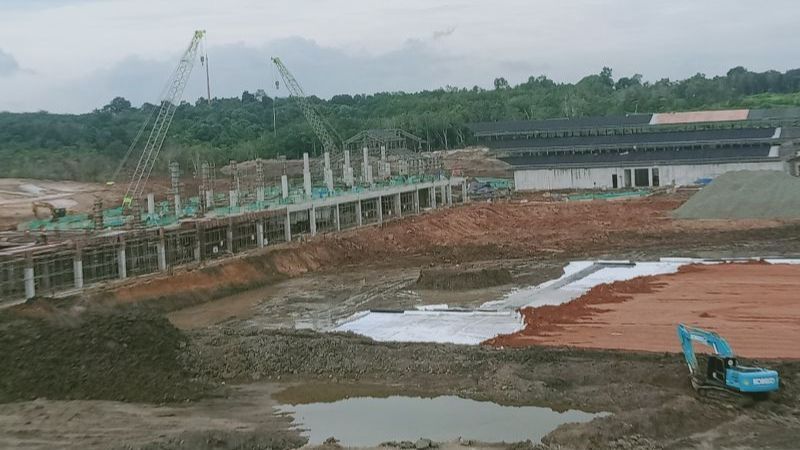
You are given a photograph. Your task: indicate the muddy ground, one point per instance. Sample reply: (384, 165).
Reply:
(234, 351)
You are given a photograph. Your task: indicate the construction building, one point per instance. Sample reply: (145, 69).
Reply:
(642, 150)
(64, 255)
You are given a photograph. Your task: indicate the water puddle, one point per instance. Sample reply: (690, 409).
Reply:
(367, 421)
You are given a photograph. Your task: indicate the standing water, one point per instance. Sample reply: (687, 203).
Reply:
(370, 421)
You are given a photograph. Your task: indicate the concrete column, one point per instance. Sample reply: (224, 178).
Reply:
(284, 187)
(347, 170)
(30, 280)
(359, 217)
(260, 234)
(449, 194)
(233, 196)
(312, 220)
(161, 248)
(337, 218)
(288, 228)
(178, 210)
(328, 172)
(444, 194)
(198, 243)
(260, 194)
(432, 195)
(122, 262)
(370, 179)
(398, 205)
(209, 200)
(416, 200)
(365, 168)
(151, 204)
(306, 176)
(380, 209)
(77, 270)
(229, 238)
(464, 192)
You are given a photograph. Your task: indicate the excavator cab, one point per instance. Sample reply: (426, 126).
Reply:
(717, 368)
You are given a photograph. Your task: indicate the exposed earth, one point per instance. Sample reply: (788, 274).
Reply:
(199, 359)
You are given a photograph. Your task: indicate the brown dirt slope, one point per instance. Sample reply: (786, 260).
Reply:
(754, 306)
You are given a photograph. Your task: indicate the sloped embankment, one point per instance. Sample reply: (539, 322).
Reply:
(746, 194)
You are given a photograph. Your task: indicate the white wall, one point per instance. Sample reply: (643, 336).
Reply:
(600, 178)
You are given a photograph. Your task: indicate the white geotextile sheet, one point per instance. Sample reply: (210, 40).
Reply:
(471, 327)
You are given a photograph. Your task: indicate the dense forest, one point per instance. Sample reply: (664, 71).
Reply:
(89, 146)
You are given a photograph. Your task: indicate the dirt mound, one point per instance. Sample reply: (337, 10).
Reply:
(461, 279)
(759, 194)
(129, 354)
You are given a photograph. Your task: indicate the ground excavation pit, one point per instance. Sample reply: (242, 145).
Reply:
(755, 306)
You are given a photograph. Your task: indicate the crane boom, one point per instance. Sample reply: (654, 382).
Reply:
(170, 99)
(317, 123)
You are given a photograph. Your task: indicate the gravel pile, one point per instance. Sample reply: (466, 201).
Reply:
(758, 194)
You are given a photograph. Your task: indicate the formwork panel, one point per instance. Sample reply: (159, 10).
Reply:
(369, 211)
(347, 215)
(424, 198)
(387, 206)
(326, 220)
(244, 236)
(12, 278)
(100, 263)
(215, 242)
(179, 247)
(54, 272)
(141, 256)
(275, 229)
(407, 203)
(300, 223)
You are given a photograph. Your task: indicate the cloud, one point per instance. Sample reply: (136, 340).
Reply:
(8, 64)
(438, 34)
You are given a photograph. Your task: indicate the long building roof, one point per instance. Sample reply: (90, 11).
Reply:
(511, 127)
(639, 139)
(710, 155)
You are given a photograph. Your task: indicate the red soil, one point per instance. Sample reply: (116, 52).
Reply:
(754, 306)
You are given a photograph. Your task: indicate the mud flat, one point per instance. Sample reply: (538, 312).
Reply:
(753, 305)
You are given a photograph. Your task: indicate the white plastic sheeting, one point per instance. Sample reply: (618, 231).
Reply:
(438, 323)
(464, 327)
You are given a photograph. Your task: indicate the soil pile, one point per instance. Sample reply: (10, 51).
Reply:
(455, 279)
(758, 194)
(127, 355)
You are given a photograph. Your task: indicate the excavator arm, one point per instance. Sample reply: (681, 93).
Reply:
(688, 335)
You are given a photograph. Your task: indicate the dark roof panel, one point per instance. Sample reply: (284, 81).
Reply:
(594, 159)
(774, 113)
(673, 137)
(521, 126)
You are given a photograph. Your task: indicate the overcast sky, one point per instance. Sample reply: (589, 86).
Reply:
(75, 55)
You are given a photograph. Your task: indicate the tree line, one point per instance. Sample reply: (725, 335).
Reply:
(89, 146)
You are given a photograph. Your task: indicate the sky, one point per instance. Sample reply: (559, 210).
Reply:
(76, 55)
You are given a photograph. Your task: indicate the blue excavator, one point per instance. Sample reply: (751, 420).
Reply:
(723, 373)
